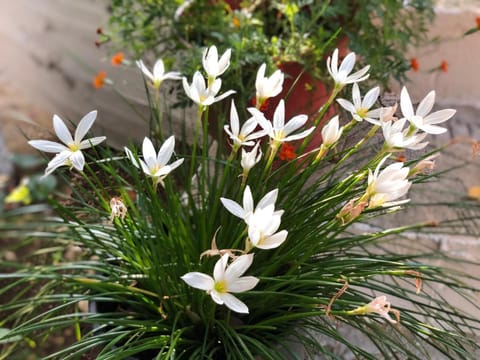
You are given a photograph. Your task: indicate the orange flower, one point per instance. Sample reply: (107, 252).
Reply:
(99, 79)
(444, 66)
(117, 59)
(287, 152)
(236, 22)
(414, 64)
(477, 19)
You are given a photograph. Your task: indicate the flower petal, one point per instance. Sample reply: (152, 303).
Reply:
(59, 160)
(433, 129)
(84, 125)
(176, 164)
(233, 207)
(243, 284)
(149, 153)
(348, 63)
(299, 135)
(158, 69)
(77, 159)
(347, 105)
(144, 69)
(61, 130)
(273, 241)
(406, 103)
(237, 268)
(295, 123)
(426, 104)
(233, 303)
(439, 116)
(47, 146)
(269, 199)
(370, 98)
(198, 280)
(219, 269)
(357, 99)
(234, 122)
(166, 151)
(279, 116)
(88, 143)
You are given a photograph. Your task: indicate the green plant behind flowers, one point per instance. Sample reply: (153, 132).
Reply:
(147, 227)
(274, 32)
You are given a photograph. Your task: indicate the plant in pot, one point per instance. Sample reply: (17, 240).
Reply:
(295, 36)
(209, 252)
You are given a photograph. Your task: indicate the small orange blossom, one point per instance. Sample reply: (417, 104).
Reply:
(444, 66)
(117, 59)
(414, 64)
(287, 152)
(99, 79)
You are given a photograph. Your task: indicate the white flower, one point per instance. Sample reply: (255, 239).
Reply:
(226, 280)
(268, 87)
(251, 158)
(387, 185)
(341, 75)
(155, 165)
(396, 137)
(213, 66)
(421, 118)
(263, 221)
(262, 226)
(245, 135)
(248, 205)
(70, 152)
(331, 132)
(279, 131)
(360, 109)
(201, 94)
(159, 74)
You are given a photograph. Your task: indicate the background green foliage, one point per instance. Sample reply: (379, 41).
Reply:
(303, 31)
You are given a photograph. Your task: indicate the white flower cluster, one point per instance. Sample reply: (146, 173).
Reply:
(384, 186)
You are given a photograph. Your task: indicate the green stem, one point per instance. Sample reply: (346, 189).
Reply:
(196, 132)
(271, 156)
(320, 114)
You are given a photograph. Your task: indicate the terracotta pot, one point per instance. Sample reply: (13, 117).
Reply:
(234, 4)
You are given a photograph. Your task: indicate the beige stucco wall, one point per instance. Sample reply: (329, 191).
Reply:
(461, 84)
(48, 61)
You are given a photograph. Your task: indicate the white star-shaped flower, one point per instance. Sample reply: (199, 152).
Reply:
(248, 208)
(245, 135)
(387, 185)
(159, 75)
(214, 67)
(422, 119)
(155, 165)
(360, 109)
(263, 224)
(268, 87)
(202, 94)
(279, 131)
(250, 158)
(341, 75)
(226, 279)
(396, 137)
(263, 220)
(331, 132)
(70, 152)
